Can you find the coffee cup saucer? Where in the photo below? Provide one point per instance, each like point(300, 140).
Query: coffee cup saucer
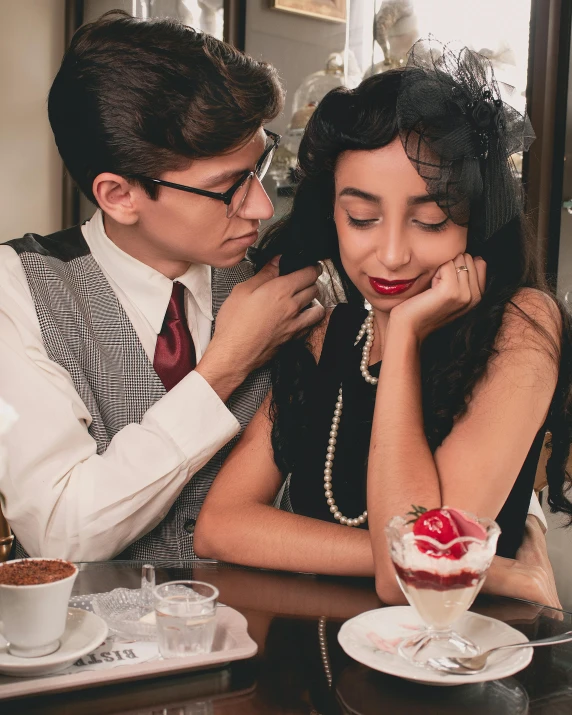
point(84, 632)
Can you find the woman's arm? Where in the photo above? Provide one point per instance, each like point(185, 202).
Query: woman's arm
point(238, 523)
point(477, 464)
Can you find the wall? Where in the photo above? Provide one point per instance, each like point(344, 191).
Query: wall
point(294, 44)
point(31, 48)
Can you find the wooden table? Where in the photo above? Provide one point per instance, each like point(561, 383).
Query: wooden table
point(295, 618)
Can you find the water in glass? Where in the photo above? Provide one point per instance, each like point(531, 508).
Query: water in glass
point(185, 620)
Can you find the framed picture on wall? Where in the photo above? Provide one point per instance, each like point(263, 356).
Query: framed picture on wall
point(322, 9)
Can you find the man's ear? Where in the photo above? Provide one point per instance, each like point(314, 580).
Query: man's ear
point(117, 197)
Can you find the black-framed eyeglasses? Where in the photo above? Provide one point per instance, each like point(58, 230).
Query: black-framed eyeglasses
point(236, 195)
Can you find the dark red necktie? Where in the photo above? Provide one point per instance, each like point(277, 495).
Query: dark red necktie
point(175, 354)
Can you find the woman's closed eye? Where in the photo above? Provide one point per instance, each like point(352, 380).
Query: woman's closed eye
point(360, 222)
point(423, 225)
point(431, 226)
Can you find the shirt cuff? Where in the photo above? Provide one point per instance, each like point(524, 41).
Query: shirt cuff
point(194, 417)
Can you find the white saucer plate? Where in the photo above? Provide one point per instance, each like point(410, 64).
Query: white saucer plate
point(84, 633)
point(372, 639)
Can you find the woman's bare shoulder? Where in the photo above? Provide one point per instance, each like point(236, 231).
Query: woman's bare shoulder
point(530, 314)
point(530, 337)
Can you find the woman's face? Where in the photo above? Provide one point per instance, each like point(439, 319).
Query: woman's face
point(392, 236)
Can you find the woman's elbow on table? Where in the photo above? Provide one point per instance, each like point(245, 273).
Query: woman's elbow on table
point(206, 540)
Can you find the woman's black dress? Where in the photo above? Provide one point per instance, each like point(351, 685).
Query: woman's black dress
point(339, 363)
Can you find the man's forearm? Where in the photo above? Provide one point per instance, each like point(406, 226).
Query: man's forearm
point(63, 499)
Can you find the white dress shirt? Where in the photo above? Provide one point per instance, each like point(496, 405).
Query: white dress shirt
point(60, 497)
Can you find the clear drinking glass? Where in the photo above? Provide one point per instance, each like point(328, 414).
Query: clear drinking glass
point(438, 587)
point(185, 612)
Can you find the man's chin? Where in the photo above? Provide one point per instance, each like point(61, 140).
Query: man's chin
point(229, 262)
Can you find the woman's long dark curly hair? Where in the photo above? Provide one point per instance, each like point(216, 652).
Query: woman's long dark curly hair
point(455, 357)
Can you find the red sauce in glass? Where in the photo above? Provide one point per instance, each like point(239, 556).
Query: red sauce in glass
point(436, 581)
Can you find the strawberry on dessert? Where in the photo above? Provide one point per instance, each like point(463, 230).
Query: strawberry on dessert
point(466, 525)
point(444, 525)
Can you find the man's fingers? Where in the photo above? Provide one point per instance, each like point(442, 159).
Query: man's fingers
point(303, 297)
point(292, 283)
point(301, 279)
point(309, 317)
point(265, 274)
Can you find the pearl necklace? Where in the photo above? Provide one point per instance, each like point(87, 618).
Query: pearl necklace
point(367, 327)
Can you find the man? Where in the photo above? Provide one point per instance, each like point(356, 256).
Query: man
point(131, 379)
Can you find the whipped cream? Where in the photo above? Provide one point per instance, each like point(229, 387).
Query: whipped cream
point(478, 557)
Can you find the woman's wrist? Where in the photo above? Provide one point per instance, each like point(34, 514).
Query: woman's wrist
point(402, 333)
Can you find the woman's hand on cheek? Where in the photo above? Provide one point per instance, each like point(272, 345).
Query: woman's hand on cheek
point(456, 287)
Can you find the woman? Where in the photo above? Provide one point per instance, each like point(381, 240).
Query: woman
point(406, 187)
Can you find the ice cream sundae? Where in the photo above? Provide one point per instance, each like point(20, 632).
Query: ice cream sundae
point(441, 558)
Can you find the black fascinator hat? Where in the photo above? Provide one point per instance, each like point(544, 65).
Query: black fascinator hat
point(459, 134)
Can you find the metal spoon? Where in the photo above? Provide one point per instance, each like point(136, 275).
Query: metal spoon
point(469, 665)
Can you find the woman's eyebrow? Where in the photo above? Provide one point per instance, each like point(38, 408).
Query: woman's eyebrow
point(422, 199)
point(359, 194)
point(378, 201)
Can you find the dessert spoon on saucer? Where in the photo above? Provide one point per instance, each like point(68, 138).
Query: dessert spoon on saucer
point(470, 665)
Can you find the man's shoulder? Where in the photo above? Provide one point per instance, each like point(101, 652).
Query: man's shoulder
point(65, 245)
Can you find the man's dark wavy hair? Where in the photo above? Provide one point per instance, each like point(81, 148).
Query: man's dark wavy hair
point(148, 96)
point(455, 357)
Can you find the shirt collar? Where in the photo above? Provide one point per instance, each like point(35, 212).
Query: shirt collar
point(149, 290)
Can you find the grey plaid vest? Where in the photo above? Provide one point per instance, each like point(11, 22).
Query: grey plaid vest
point(86, 331)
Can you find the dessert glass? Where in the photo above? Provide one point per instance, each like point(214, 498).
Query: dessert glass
point(439, 587)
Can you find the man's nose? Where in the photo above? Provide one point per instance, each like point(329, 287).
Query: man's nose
point(257, 204)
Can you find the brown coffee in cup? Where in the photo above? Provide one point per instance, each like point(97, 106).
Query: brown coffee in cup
point(35, 571)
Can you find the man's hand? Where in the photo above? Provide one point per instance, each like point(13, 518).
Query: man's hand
point(258, 316)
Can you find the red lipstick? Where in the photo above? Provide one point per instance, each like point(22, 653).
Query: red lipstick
point(383, 287)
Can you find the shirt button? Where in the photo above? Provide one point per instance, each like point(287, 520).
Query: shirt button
point(190, 525)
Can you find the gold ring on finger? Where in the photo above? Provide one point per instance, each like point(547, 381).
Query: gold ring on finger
point(462, 268)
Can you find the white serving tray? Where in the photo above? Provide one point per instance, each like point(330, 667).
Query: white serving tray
point(138, 660)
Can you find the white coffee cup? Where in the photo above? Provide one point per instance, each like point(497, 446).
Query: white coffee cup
point(34, 616)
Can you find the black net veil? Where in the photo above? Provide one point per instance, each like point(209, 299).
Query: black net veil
point(459, 134)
